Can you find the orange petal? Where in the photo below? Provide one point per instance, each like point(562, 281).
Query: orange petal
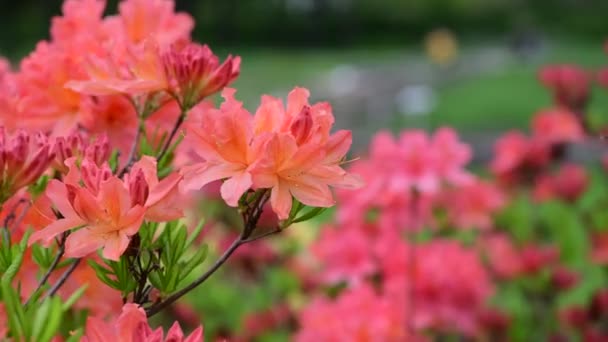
point(82, 242)
point(280, 200)
point(115, 245)
point(235, 187)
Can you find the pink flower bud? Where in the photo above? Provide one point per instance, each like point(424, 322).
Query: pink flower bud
point(194, 72)
point(139, 189)
point(23, 159)
point(599, 304)
point(98, 151)
point(92, 175)
point(301, 126)
point(564, 279)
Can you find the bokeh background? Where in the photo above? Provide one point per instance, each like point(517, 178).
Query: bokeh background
point(387, 64)
point(383, 64)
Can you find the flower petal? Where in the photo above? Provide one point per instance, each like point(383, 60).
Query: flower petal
point(235, 187)
point(47, 234)
point(83, 242)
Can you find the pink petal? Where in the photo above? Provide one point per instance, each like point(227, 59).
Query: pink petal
point(57, 227)
point(115, 245)
point(199, 175)
point(196, 335)
point(163, 188)
point(280, 200)
point(312, 192)
point(131, 222)
point(235, 187)
point(58, 194)
point(337, 146)
point(296, 99)
point(82, 242)
point(99, 331)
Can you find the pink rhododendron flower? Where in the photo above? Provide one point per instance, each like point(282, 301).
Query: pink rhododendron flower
point(569, 83)
point(108, 210)
point(536, 257)
point(345, 254)
point(403, 178)
point(224, 140)
point(45, 104)
point(444, 301)
point(161, 198)
point(268, 155)
point(8, 95)
point(358, 314)
point(556, 126)
point(568, 184)
point(517, 157)
point(132, 326)
point(452, 156)
point(472, 206)
point(112, 116)
point(194, 72)
point(502, 255)
point(189, 72)
point(599, 251)
point(78, 145)
point(103, 211)
point(140, 19)
point(23, 159)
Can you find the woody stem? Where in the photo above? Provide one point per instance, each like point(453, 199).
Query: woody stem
point(250, 218)
point(133, 151)
point(167, 144)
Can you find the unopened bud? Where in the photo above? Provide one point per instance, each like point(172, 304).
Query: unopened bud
point(138, 187)
point(301, 126)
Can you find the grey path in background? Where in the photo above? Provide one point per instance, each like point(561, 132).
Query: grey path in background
point(366, 98)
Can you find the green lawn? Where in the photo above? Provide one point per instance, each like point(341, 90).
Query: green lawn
point(496, 100)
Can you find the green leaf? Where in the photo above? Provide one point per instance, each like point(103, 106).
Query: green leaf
point(309, 215)
point(42, 256)
point(73, 298)
point(195, 233)
point(197, 259)
point(50, 321)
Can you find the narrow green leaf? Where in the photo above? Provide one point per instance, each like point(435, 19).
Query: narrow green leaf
point(309, 215)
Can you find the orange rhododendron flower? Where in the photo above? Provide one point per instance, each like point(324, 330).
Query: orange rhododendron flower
point(106, 219)
point(132, 326)
point(188, 72)
point(288, 150)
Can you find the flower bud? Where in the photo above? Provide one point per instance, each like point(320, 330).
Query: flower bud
point(564, 279)
point(194, 72)
point(301, 126)
point(139, 189)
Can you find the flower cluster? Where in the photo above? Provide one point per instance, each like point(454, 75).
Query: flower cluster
point(288, 149)
point(92, 160)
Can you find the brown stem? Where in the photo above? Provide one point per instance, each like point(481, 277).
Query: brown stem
point(167, 145)
point(250, 218)
point(177, 295)
point(62, 279)
point(54, 264)
point(133, 151)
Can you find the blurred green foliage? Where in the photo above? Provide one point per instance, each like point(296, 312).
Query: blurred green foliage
point(334, 22)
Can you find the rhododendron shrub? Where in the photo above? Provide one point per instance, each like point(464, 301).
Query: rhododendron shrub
point(107, 136)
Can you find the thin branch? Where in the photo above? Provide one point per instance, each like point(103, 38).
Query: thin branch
point(154, 309)
point(63, 279)
point(167, 145)
point(54, 264)
point(263, 235)
point(133, 151)
point(250, 217)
